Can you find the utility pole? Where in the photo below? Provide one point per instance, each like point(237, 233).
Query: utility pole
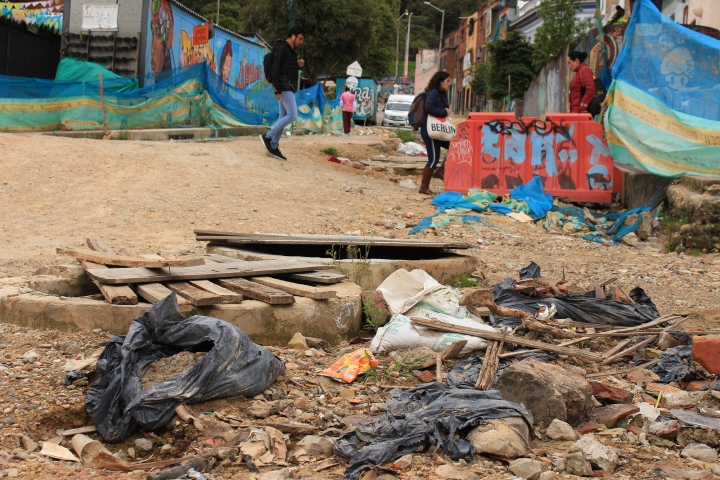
point(407, 47)
point(397, 46)
point(442, 27)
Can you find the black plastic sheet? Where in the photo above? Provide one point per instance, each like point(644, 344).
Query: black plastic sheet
point(675, 365)
point(581, 308)
point(232, 366)
point(424, 416)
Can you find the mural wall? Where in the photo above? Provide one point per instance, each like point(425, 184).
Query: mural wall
point(366, 98)
point(236, 60)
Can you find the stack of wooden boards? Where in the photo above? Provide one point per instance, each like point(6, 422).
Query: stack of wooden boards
point(200, 280)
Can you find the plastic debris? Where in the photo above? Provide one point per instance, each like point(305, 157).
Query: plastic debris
point(348, 367)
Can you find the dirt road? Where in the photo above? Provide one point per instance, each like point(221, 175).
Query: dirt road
point(148, 197)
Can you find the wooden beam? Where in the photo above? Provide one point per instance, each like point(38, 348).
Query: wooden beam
point(228, 296)
point(203, 272)
point(318, 277)
point(115, 294)
point(196, 296)
point(616, 348)
point(630, 350)
point(624, 370)
point(296, 288)
point(98, 245)
point(125, 260)
point(219, 258)
point(154, 292)
point(311, 239)
point(497, 336)
point(254, 290)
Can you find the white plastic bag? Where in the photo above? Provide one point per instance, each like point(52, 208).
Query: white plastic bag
point(417, 294)
point(400, 334)
point(441, 128)
point(411, 148)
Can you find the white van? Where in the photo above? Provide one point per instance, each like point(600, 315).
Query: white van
point(397, 109)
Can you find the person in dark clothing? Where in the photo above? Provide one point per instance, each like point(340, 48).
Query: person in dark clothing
point(284, 76)
point(437, 105)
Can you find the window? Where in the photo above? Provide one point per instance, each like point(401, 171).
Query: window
point(471, 26)
point(685, 15)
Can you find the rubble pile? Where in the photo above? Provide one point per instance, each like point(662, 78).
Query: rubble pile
point(526, 387)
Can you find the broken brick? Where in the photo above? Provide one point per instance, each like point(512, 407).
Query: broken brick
point(607, 394)
point(588, 427)
point(705, 352)
point(612, 414)
point(426, 377)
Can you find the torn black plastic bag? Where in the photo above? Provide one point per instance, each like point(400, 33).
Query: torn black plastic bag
point(581, 308)
point(675, 365)
point(233, 366)
point(424, 416)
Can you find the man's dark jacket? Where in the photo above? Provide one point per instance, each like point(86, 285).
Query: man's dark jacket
point(285, 67)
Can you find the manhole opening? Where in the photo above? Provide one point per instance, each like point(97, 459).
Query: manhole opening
point(348, 252)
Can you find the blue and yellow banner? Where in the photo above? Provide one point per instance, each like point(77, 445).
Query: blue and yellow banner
point(664, 113)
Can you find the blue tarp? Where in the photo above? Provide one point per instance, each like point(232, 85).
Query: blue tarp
point(664, 117)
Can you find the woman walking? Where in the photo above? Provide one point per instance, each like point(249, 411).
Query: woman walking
point(347, 100)
point(437, 105)
point(582, 86)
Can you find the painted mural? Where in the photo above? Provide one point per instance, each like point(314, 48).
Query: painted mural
point(366, 98)
point(236, 60)
point(499, 154)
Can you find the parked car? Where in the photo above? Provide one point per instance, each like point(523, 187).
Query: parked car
point(397, 109)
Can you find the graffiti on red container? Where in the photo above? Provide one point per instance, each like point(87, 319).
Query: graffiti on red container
point(550, 148)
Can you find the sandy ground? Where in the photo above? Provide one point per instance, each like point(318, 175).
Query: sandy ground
point(148, 197)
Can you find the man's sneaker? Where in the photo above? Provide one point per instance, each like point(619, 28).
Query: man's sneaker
point(266, 143)
point(275, 152)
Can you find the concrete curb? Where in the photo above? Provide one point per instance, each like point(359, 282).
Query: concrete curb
point(164, 134)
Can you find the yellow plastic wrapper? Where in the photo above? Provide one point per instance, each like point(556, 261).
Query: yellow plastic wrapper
point(347, 368)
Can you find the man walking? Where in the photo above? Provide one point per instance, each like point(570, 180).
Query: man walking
point(284, 75)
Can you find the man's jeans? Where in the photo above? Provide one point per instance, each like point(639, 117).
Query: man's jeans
point(288, 114)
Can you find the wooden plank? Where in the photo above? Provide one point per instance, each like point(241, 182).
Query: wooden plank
point(196, 296)
point(630, 350)
point(126, 260)
point(203, 272)
point(115, 294)
point(254, 290)
point(228, 296)
point(99, 245)
point(624, 370)
point(616, 348)
point(314, 239)
point(296, 288)
point(219, 258)
point(497, 336)
point(318, 277)
point(154, 292)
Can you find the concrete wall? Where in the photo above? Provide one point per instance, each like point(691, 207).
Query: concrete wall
point(426, 64)
point(129, 15)
point(548, 92)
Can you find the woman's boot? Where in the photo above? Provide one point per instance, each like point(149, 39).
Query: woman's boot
point(440, 172)
point(425, 184)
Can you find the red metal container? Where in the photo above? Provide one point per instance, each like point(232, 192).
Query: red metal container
point(494, 152)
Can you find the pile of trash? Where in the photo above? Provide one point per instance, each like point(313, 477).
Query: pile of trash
point(529, 203)
point(454, 378)
point(412, 148)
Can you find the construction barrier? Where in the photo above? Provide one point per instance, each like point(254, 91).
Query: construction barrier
point(495, 152)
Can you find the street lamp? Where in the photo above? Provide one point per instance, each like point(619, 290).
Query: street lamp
point(442, 26)
point(397, 46)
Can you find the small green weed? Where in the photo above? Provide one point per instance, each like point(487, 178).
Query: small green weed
point(402, 368)
point(404, 135)
point(695, 252)
point(374, 316)
point(331, 151)
point(463, 281)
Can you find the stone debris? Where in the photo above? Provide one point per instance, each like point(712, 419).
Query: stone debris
point(559, 430)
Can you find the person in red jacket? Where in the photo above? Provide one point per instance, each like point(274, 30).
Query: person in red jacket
point(582, 86)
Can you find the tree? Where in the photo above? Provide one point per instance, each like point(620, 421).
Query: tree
point(560, 28)
point(480, 74)
point(511, 57)
point(336, 33)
